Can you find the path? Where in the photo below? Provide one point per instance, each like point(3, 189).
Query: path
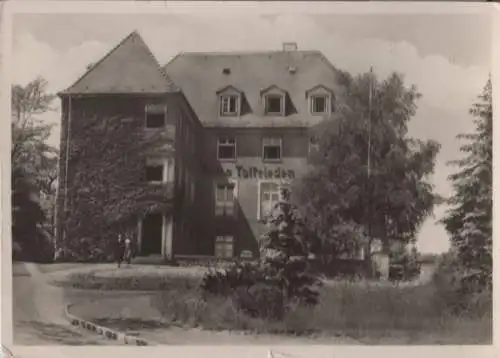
point(38, 312)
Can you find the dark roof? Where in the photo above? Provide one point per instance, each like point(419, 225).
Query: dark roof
point(200, 76)
point(130, 67)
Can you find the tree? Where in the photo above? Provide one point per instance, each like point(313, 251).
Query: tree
point(285, 254)
point(469, 221)
point(34, 165)
point(281, 279)
point(347, 197)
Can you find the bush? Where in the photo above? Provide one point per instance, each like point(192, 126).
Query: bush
point(456, 293)
point(261, 300)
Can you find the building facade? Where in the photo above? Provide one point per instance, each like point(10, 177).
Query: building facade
point(238, 127)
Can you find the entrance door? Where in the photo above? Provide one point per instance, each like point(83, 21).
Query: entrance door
point(151, 234)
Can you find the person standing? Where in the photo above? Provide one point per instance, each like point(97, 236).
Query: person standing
point(120, 249)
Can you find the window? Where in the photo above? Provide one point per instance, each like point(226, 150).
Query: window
point(226, 149)
point(271, 148)
point(229, 105)
point(274, 104)
point(225, 194)
point(157, 170)
point(270, 195)
point(319, 104)
point(224, 247)
point(313, 144)
point(155, 116)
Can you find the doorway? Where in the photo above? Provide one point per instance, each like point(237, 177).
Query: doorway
point(151, 238)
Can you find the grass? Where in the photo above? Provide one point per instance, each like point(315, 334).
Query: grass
point(55, 267)
point(370, 313)
point(145, 282)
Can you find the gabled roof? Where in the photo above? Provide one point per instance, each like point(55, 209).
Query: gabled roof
point(227, 88)
point(200, 74)
point(272, 87)
point(318, 87)
point(130, 67)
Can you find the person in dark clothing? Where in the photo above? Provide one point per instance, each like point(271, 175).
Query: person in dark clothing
point(120, 249)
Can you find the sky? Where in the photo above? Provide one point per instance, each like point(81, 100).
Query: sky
point(448, 58)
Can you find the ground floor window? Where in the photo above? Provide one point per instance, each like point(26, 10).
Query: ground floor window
point(225, 194)
point(224, 247)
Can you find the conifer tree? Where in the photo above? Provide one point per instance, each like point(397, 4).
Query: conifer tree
point(285, 253)
point(469, 221)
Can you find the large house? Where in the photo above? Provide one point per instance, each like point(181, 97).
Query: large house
point(239, 128)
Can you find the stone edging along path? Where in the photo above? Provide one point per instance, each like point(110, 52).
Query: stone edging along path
point(104, 331)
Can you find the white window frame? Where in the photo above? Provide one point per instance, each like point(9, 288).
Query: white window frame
point(225, 105)
point(165, 164)
point(281, 185)
point(224, 241)
point(313, 144)
point(223, 141)
point(271, 139)
point(224, 204)
point(312, 99)
point(155, 109)
point(282, 102)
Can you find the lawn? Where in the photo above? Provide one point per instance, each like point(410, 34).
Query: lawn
point(369, 313)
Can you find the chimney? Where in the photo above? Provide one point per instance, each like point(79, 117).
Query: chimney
point(289, 46)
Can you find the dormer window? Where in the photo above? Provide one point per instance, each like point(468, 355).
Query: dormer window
point(320, 100)
point(229, 105)
point(319, 104)
point(229, 101)
point(273, 99)
point(274, 104)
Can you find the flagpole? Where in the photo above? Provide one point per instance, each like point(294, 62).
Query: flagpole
point(370, 122)
point(369, 164)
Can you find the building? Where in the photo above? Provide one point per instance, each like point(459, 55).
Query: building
point(238, 129)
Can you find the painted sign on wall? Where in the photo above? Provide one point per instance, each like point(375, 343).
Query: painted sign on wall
point(252, 172)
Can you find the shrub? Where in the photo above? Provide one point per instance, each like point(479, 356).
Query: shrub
point(456, 293)
point(261, 300)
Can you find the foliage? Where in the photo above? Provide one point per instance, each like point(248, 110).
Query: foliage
point(456, 296)
point(107, 189)
point(286, 251)
point(469, 221)
point(339, 195)
point(34, 171)
point(281, 279)
point(373, 313)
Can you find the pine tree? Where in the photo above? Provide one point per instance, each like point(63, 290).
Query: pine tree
point(469, 221)
point(285, 253)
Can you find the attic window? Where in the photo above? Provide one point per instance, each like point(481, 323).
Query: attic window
point(275, 104)
point(226, 71)
point(319, 104)
point(229, 105)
